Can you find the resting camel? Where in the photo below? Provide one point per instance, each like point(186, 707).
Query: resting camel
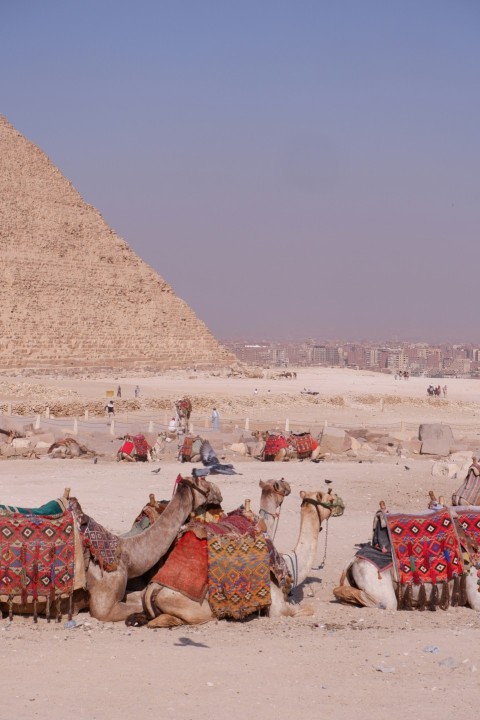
point(287, 447)
point(168, 608)
point(373, 588)
point(137, 553)
point(68, 448)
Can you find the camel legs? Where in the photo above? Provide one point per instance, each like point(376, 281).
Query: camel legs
point(172, 608)
point(281, 608)
point(378, 586)
point(106, 598)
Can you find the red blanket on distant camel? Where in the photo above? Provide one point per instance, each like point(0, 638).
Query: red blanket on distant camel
point(274, 443)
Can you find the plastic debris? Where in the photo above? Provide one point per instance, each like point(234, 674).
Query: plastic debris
point(431, 649)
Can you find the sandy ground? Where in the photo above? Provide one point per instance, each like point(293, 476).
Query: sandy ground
point(342, 662)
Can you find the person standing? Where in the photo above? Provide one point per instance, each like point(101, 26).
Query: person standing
point(119, 392)
point(215, 420)
point(110, 409)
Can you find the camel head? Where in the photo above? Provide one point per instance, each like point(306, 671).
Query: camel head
point(206, 492)
point(325, 504)
point(279, 488)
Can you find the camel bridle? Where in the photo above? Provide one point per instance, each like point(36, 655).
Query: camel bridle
point(276, 515)
point(192, 487)
point(335, 504)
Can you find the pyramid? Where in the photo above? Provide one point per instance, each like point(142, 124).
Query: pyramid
point(72, 292)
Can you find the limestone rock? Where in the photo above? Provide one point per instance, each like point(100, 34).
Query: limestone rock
point(334, 440)
point(436, 439)
point(73, 294)
point(444, 469)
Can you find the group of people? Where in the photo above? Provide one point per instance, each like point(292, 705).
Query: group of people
point(437, 391)
point(402, 374)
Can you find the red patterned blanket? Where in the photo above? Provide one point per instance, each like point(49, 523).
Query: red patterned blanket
point(273, 445)
point(425, 547)
point(136, 444)
point(303, 444)
point(37, 558)
point(186, 568)
point(469, 521)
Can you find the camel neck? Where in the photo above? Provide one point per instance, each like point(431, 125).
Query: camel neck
point(269, 508)
point(146, 548)
point(306, 548)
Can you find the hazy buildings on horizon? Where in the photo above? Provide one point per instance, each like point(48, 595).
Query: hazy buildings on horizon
point(445, 360)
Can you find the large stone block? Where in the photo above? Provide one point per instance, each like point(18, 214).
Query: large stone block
point(436, 439)
point(334, 440)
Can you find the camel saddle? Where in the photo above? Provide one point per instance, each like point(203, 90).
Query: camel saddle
point(303, 444)
point(136, 445)
point(191, 446)
point(230, 560)
point(273, 445)
point(41, 557)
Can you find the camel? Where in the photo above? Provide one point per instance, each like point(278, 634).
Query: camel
point(273, 494)
point(68, 448)
point(168, 608)
point(369, 587)
point(286, 447)
point(134, 448)
point(137, 553)
point(183, 408)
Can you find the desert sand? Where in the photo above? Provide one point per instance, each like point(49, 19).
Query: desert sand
point(342, 661)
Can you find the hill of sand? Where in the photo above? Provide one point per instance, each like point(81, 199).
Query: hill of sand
point(73, 294)
point(341, 662)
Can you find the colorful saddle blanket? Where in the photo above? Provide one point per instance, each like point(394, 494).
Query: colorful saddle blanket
point(469, 521)
point(98, 543)
point(136, 445)
point(425, 547)
point(303, 444)
point(38, 558)
point(273, 445)
point(231, 560)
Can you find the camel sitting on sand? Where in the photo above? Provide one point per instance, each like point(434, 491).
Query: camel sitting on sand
point(68, 448)
point(168, 608)
point(370, 586)
point(136, 552)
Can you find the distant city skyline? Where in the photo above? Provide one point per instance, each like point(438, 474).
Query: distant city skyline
point(292, 169)
point(443, 360)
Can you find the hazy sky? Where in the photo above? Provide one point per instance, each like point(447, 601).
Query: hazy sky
point(293, 169)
